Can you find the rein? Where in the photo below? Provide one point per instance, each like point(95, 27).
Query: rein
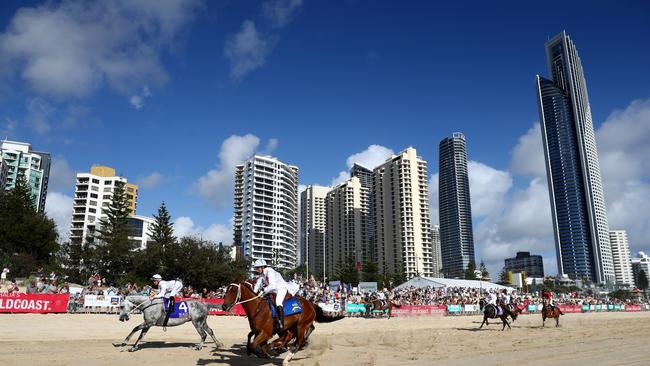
point(151, 303)
point(238, 298)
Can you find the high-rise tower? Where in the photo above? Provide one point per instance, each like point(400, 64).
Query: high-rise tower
point(574, 183)
point(456, 235)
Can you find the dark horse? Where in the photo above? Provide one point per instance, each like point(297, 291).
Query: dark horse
point(376, 304)
point(549, 311)
point(263, 326)
point(490, 312)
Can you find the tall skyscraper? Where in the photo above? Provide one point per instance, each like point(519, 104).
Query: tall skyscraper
point(641, 263)
point(266, 210)
point(24, 163)
point(435, 242)
point(574, 183)
point(365, 176)
point(621, 257)
point(402, 222)
point(456, 235)
point(312, 228)
point(3, 173)
point(93, 195)
point(346, 237)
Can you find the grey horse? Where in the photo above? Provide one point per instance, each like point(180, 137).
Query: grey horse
point(153, 312)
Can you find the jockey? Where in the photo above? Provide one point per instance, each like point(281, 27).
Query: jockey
point(167, 290)
point(274, 284)
point(548, 297)
point(505, 299)
point(491, 299)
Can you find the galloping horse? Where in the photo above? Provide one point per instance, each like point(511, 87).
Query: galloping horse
point(153, 312)
point(376, 304)
point(490, 312)
point(262, 323)
point(551, 312)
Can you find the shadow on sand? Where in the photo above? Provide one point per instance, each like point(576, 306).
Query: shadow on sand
point(240, 358)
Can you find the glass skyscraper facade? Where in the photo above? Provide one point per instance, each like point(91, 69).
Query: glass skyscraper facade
point(575, 188)
point(456, 235)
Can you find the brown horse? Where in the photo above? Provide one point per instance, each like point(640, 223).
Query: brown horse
point(376, 304)
point(262, 324)
point(551, 312)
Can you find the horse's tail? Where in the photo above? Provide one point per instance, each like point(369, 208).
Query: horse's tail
point(322, 318)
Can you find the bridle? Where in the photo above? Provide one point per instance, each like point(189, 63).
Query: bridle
point(238, 297)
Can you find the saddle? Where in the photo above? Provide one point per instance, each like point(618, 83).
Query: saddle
point(290, 305)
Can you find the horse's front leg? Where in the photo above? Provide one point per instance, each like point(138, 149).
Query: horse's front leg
point(126, 340)
point(249, 347)
point(484, 319)
point(142, 334)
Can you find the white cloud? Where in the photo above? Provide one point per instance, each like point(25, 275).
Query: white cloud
point(487, 187)
point(61, 175)
point(217, 233)
point(151, 180)
point(280, 12)
point(72, 48)
point(624, 148)
point(247, 50)
point(528, 154)
point(369, 158)
point(137, 100)
point(218, 184)
point(58, 207)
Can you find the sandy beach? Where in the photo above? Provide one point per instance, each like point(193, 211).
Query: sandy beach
point(83, 340)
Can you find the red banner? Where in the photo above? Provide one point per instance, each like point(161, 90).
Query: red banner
point(570, 308)
point(33, 303)
point(419, 310)
point(632, 307)
point(236, 310)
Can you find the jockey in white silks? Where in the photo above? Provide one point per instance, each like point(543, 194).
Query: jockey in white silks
point(505, 299)
point(274, 283)
point(166, 290)
point(491, 299)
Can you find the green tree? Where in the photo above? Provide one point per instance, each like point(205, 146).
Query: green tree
point(346, 271)
point(470, 273)
point(504, 277)
point(162, 230)
point(485, 275)
point(370, 272)
point(202, 263)
point(28, 239)
point(399, 277)
point(642, 280)
point(115, 251)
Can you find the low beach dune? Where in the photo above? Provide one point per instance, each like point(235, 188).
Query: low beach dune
point(582, 339)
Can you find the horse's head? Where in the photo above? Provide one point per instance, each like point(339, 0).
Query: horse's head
point(232, 296)
point(125, 309)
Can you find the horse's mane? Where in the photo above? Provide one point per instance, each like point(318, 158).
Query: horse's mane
point(137, 299)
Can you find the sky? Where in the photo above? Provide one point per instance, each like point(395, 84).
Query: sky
point(175, 95)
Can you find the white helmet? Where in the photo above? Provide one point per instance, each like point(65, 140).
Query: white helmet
point(259, 263)
point(156, 277)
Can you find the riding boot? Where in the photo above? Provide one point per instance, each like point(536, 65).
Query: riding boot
point(170, 310)
point(280, 312)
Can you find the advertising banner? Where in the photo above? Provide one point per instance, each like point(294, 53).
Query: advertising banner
point(33, 303)
point(454, 308)
point(532, 308)
point(236, 310)
point(412, 310)
point(633, 308)
point(102, 301)
point(353, 308)
point(472, 308)
point(570, 308)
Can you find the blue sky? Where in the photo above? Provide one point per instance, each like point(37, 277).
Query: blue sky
point(173, 97)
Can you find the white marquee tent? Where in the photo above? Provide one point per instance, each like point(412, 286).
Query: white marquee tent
point(421, 282)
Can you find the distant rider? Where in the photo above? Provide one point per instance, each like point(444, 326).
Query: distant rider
point(505, 300)
point(274, 283)
point(491, 299)
point(167, 290)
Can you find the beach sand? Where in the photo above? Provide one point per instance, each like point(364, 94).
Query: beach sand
point(582, 339)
